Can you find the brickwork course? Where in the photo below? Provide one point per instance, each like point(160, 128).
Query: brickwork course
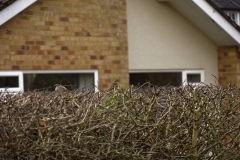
point(229, 65)
point(69, 35)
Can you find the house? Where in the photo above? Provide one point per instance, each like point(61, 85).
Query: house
point(91, 43)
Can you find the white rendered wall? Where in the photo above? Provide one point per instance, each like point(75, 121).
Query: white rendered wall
point(162, 39)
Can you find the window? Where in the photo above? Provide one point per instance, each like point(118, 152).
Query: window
point(162, 78)
point(234, 16)
point(156, 78)
point(11, 81)
point(31, 80)
point(193, 77)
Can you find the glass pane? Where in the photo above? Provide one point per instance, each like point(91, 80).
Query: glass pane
point(164, 78)
point(9, 81)
point(71, 81)
point(193, 78)
point(232, 16)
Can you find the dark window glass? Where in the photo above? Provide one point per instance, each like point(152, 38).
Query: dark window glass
point(164, 78)
point(9, 81)
point(232, 16)
point(193, 78)
point(71, 81)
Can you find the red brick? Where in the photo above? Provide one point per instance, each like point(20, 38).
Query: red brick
point(36, 67)
point(222, 70)
point(71, 52)
point(94, 67)
point(20, 52)
point(44, 8)
point(40, 42)
point(9, 31)
point(9, 52)
point(44, 28)
point(28, 12)
point(48, 67)
point(19, 62)
point(51, 62)
point(64, 48)
point(93, 57)
point(51, 52)
point(57, 57)
point(83, 48)
point(116, 62)
point(106, 34)
point(40, 52)
point(60, 42)
point(49, 23)
point(108, 71)
point(29, 42)
point(64, 19)
point(25, 47)
point(15, 67)
point(114, 25)
point(35, 47)
point(24, 17)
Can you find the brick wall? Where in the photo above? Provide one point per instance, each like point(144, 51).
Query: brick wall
point(69, 35)
point(229, 65)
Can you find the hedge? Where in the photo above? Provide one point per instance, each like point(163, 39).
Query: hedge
point(148, 122)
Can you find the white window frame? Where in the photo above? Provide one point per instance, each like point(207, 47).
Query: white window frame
point(21, 79)
point(184, 74)
point(236, 14)
point(20, 87)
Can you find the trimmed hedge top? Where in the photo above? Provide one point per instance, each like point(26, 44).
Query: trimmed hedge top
point(149, 122)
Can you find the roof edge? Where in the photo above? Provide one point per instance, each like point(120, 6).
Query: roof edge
point(224, 15)
point(15, 8)
point(218, 18)
point(6, 3)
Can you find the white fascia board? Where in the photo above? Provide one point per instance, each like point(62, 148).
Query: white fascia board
point(13, 9)
point(219, 19)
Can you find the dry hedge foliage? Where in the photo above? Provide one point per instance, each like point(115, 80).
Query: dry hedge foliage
point(149, 122)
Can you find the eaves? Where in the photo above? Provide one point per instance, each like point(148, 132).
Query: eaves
point(9, 11)
point(224, 15)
